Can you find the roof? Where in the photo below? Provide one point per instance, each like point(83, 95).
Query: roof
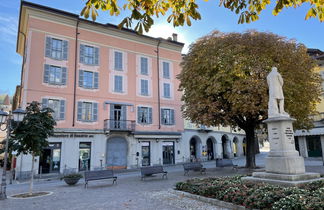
point(6, 101)
point(312, 132)
point(76, 16)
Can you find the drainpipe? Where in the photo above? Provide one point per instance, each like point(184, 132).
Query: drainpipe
point(158, 76)
point(75, 69)
point(22, 68)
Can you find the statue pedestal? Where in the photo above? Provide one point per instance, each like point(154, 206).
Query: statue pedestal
point(283, 165)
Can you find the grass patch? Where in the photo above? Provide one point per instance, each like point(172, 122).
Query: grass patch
point(257, 195)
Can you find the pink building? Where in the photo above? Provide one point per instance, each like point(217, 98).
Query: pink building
point(114, 92)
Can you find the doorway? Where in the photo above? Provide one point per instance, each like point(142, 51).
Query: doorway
point(210, 149)
point(168, 152)
point(118, 117)
point(50, 159)
point(146, 160)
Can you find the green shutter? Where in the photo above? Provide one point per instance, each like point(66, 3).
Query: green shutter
point(79, 114)
point(96, 80)
point(95, 112)
point(65, 49)
point(62, 109)
point(64, 75)
point(82, 53)
point(150, 115)
point(80, 78)
point(96, 56)
point(46, 73)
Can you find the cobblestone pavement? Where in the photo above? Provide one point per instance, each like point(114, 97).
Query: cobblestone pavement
point(129, 193)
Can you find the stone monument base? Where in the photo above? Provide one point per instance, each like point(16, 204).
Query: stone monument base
point(283, 179)
point(285, 164)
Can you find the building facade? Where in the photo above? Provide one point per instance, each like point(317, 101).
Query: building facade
point(311, 143)
point(113, 92)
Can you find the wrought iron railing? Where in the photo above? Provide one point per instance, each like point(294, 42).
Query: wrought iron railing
point(119, 125)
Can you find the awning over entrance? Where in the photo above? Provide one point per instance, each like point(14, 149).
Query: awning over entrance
point(311, 132)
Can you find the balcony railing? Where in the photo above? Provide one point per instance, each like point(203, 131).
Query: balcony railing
point(119, 125)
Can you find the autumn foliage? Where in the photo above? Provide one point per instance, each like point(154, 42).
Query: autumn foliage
point(224, 81)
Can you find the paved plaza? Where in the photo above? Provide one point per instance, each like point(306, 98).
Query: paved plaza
point(129, 193)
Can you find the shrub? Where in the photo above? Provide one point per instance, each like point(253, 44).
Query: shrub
point(291, 202)
point(264, 197)
point(313, 185)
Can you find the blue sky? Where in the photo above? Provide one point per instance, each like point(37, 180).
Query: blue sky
point(289, 23)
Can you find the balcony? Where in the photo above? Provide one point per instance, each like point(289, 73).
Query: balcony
point(119, 125)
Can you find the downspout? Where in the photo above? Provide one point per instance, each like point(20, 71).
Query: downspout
point(158, 76)
point(22, 69)
point(75, 69)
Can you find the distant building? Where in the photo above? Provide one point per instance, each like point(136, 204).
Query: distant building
point(5, 105)
point(311, 143)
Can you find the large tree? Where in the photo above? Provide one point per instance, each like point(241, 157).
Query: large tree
point(30, 136)
point(223, 80)
point(181, 12)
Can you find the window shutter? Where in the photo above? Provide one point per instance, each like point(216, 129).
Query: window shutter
point(80, 78)
point(142, 87)
point(149, 115)
point(95, 112)
point(48, 47)
point(64, 75)
point(112, 111)
point(144, 66)
point(96, 56)
point(166, 90)
point(44, 103)
point(62, 109)
point(65, 49)
point(79, 111)
point(96, 80)
point(111, 117)
point(118, 84)
point(162, 113)
point(139, 114)
point(46, 73)
point(172, 122)
point(124, 113)
point(82, 49)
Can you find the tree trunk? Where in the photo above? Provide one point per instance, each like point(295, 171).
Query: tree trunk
point(250, 147)
point(32, 176)
point(257, 145)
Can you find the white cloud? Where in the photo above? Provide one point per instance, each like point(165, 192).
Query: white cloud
point(8, 29)
point(165, 30)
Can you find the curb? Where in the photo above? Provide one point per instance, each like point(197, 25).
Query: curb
point(213, 201)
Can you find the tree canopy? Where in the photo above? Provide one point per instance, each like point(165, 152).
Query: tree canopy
point(223, 80)
point(31, 134)
point(183, 11)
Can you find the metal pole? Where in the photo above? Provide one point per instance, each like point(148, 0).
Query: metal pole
point(3, 194)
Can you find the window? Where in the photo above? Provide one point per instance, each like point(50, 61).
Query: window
point(56, 48)
point(118, 84)
point(89, 55)
point(118, 61)
point(144, 87)
point(144, 66)
point(144, 115)
point(167, 116)
point(166, 70)
point(58, 107)
point(88, 79)
point(166, 90)
point(87, 111)
point(54, 75)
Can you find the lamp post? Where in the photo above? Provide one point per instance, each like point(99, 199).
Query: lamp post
point(6, 120)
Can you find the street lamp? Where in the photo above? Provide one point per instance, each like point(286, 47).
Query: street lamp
point(6, 120)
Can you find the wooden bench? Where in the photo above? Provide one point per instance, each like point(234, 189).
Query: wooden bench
point(97, 175)
point(225, 163)
point(150, 170)
point(194, 166)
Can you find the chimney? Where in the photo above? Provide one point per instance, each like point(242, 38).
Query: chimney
point(175, 37)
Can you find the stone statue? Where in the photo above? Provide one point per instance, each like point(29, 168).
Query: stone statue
point(276, 96)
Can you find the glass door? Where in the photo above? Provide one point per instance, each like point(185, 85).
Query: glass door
point(146, 154)
point(50, 160)
point(84, 156)
point(168, 153)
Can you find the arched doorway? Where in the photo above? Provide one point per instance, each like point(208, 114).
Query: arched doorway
point(210, 149)
point(235, 146)
point(195, 147)
point(116, 152)
point(226, 147)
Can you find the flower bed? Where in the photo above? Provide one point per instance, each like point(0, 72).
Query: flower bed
point(257, 196)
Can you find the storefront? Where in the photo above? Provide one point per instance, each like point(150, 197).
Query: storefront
point(50, 160)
